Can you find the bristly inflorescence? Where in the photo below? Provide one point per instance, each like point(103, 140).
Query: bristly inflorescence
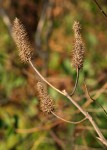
point(46, 101)
point(79, 48)
point(21, 39)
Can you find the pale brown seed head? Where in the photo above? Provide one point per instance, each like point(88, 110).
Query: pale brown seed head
point(21, 39)
point(76, 28)
point(46, 102)
point(79, 48)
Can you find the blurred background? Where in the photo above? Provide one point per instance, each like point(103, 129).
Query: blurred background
point(49, 25)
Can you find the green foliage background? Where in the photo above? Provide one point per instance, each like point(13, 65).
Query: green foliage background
point(19, 106)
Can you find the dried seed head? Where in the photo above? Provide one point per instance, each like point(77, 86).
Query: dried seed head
point(46, 102)
point(21, 39)
point(79, 48)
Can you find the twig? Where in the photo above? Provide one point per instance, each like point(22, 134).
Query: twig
point(100, 8)
point(40, 128)
point(6, 20)
point(41, 24)
point(76, 83)
point(94, 99)
point(102, 141)
point(42, 53)
point(57, 140)
point(86, 114)
point(37, 72)
point(96, 94)
point(46, 17)
point(72, 122)
point(83, 127)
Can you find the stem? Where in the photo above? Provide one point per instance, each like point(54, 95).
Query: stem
point(94, 99)
point(44, 78)
point(86, 114)
point(6, 20)
point(77, 122)
point(76, 83)
point(100, 8)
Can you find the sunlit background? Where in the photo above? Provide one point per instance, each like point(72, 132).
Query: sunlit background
point(49, 25)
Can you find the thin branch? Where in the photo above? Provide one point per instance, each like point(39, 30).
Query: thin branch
point(72, 122)
point(40, 128)
point(86, 114)
point(57, 140)
point(102, 141)
point(41, 24)
point(43, 53)
point(76, 83)
point(102, 11)
point(37, 72)
point(94, 99)
point(6, 20)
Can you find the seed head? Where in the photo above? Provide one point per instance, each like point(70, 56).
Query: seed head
point(79, 48)
point(46, 102)
point(21, 39)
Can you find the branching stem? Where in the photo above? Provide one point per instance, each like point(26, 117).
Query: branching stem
point(94, 99)
point(86, 114)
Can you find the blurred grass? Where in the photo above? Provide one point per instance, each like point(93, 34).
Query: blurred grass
point(18, 102)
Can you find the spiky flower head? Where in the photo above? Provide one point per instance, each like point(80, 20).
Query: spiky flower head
point(79, 48)
point(46, 101)
point(22, 41)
